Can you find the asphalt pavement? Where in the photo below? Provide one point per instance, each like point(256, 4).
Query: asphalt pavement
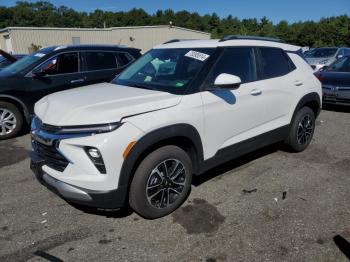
point(267, 206)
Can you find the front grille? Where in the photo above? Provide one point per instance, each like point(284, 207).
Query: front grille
point(50, 129)
point(50, 156)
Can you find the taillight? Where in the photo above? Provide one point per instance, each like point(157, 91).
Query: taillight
point(319, 76)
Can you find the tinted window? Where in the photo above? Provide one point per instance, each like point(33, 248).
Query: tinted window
point(235, 61)
point(341, 65)
point(100, 61)
point(273, 62)
point(347, 51)
point(124, 58)
point(61, 64)
point(322, 52)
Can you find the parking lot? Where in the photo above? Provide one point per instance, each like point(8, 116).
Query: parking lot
point(268, 206)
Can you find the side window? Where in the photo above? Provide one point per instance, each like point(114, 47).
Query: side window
point(347, 51)
point(124, 58)
point(236, 61)
point(61, 64)
point(274, 63)
point(100, 61)
point(339, 54)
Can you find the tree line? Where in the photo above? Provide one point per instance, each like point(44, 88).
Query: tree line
point(331, 31)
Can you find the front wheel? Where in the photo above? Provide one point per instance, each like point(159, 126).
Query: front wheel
point(11, 120)
point(302, 130)
point(161, 183)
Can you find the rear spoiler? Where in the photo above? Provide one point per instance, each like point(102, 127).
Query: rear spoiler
point(8, 56)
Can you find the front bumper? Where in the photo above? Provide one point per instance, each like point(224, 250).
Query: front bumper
point(100, 199)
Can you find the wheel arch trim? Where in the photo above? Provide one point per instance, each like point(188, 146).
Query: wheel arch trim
point(155, 137)
point(20, 102)
point(308, 98)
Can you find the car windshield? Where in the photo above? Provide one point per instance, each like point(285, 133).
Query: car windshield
point(25, 62)
point(341, 65)
point(4, 63)
point(168, 70)
point(321, 52)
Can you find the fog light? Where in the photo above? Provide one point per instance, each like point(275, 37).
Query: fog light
point(96, 158)
point(94, 153)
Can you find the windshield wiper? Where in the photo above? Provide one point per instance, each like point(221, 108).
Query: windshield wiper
point(141, 86)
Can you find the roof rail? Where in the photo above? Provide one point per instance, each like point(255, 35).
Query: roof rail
point(177, 40)
point(249, 37)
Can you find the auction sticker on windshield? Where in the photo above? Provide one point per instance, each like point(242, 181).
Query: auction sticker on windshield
point(197, 55)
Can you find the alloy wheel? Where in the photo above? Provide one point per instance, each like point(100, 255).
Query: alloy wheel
point(305, 129)
point(8, 121)
point(166, 183)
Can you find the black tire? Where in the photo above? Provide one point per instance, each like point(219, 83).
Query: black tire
point(18, 120)
point(301, 133)
point(145, 175)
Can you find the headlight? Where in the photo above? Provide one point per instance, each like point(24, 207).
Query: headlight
point(93, 129)
point(66, 130)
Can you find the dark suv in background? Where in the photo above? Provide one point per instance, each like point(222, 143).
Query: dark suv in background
point(54, 69)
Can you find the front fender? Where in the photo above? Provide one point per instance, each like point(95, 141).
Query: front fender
point(140, 149)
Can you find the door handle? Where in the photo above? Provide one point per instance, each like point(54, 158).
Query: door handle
point(255, 92)
point(77, 81)
point(298, 83)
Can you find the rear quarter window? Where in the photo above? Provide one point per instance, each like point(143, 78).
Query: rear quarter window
point(274, 62)
point(124, 58)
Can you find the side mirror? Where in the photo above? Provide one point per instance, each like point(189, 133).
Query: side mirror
point(339, 56)
point(227, 81)
point(38, 72)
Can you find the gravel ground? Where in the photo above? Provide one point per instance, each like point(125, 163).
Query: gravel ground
point(267, 206)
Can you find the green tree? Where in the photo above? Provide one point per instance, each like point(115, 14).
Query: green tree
point(330, 31)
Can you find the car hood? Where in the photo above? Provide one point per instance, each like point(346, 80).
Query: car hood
point(100, 104)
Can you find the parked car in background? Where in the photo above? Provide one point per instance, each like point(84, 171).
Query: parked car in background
point(53, 69)
point(320, 57)
point(335, 80)
point(6, 59)
point(181, 109)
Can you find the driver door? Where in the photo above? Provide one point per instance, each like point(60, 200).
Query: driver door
point(235, 115)
point(58, 73)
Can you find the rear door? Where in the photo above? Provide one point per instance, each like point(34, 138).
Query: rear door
point(103, 66)
point(60, 72)
point(280, 82)
point(99, 66)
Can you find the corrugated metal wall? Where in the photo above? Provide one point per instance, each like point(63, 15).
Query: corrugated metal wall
point(139, 37)
point(3, 41)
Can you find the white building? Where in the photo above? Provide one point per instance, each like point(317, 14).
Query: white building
point(20, 40)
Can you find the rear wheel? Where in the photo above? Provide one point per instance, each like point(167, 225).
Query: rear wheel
point(161, 182)
point(11, 120)
point(302, 130)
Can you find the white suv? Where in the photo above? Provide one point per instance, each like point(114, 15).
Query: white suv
point(182, 108)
